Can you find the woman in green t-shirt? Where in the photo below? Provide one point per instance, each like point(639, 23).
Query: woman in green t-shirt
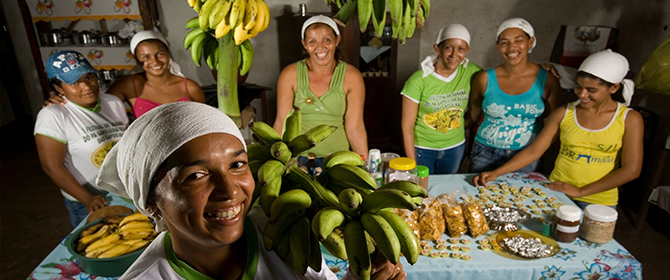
point(434, 103)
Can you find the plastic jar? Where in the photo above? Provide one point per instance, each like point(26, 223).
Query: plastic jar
point(566, 226)
point(599, 223)
point(401, 169)
point(423, 172)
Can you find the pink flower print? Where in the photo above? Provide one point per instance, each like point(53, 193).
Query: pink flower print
point(68, 268)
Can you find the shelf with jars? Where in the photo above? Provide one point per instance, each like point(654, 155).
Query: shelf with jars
point(89, 27)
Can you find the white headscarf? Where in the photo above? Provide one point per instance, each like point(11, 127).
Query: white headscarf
point(131, 164)
point(451, 31)
point(520, 23)
point(319, 19)
point(174, 68)
point(611, 67)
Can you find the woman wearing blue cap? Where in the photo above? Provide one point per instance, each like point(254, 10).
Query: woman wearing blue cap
point(73, 139)
point(326, 89)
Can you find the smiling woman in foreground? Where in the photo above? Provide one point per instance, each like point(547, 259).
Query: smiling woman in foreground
point(185, 164)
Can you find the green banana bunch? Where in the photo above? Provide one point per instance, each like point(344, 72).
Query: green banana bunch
point(281, 152)
point(326, 220)
point(272, 233)
point(388, 198)
point(311, 138)
point(410, 188)
point(302, 180)
point(334, 244)
point(409, 243)
point(379, 16)
point(364, 13)
point(288, 203)
point(384, 236)
point(343, 157)
point(247, 55)
point(350, 200)
point(292, 125)
point(353, 174)
point(264, 133)
point(357, 249)
point(300, 245)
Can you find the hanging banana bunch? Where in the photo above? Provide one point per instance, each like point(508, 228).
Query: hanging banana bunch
point(344, 199)
point(405, 15)
point(220, 36)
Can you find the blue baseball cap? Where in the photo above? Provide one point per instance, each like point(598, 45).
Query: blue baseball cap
point(68, 66)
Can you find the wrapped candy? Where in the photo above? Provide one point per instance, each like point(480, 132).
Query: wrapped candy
point(431, 220)
point(453, 214)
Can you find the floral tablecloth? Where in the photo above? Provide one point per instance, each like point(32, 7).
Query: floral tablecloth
point(577, 260)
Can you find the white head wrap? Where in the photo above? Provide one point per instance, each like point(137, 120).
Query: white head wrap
point(611, 67)
point(451, 31)
point(129, 167)
point(520, 23)
point(319, 19)
point(175, 69)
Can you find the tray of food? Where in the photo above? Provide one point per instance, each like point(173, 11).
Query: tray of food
point(505, 218)
point(526, 244)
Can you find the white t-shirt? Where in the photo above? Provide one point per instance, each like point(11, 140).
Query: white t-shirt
point(158, 260)
point(89, 134)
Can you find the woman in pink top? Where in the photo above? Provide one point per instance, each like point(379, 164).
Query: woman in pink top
point(160, 83)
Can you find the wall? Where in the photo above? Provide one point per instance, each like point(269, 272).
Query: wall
point(642, 25)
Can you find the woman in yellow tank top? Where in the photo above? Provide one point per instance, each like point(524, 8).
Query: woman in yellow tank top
point(601, 139)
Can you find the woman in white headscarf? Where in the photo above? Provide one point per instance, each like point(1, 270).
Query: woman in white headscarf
point(601, 139)
point(161, 82)
point(434, 103)
point(514, 97)
point(185, 164)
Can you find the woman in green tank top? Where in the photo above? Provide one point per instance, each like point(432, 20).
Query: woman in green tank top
point(326, 89)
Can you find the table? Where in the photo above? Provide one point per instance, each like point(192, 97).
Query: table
point(577, 260)
point(60, 264)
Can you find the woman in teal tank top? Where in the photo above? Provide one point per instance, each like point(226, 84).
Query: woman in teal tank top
point(326, 89)
point(514, 96)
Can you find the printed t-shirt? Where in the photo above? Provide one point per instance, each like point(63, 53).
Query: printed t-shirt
point(442, 103)
point(588, 155)
point(511, 121)
point(89, 134)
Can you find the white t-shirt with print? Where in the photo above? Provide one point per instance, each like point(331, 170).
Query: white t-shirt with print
point(89, 134)
point(154, 263)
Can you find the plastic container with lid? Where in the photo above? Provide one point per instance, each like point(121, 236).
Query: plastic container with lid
point(599, 223)
point(423, 172)
point(401, 169)
point(566, 226)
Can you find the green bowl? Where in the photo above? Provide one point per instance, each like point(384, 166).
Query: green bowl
point(108, 267)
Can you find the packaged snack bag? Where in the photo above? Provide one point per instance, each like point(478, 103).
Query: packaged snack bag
point(453, 214)
point(431, 220)
point(411, 218)
point(475, 218)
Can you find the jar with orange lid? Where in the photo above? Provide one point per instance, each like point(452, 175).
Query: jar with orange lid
point(401, 169)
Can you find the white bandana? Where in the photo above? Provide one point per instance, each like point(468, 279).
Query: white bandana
point(131, 164)
point(611, 67)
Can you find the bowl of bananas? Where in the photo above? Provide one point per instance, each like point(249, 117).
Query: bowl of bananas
point(108, 246)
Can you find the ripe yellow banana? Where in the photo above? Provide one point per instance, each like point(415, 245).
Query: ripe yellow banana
point(221, 29)
point(133, 217)
point(117, 250)
point(138, 233)
point(109, 239)
point(240, 34)
point(266, 14)
point(237, 13)
point(136, 224)
point(251, 15)
point(95, 253)
point(219, 13)
point(138, 244)
point(103, 231)
point(90, 230)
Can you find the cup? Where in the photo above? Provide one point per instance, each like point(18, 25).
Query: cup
point(374, 159)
